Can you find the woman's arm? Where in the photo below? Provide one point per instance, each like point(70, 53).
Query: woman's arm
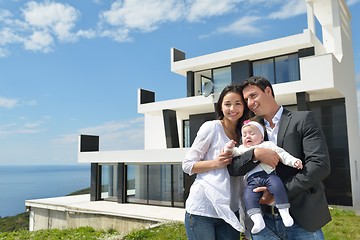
point(223, 159)
point(195, 161)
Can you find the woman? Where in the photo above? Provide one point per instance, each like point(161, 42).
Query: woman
point(213, 205)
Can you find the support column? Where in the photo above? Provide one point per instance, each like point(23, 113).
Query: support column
point(121, 182)
point(171, 129)
point(240, 71)
point(303, 101)
point(190, 78)
point(89, 143)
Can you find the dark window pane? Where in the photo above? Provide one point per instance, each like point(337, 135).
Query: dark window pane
point(178, 185)
point(287, 68)
point(137, 184)
point(221, 78)
point(264, 68)
point(108, 182)
point(160, 185)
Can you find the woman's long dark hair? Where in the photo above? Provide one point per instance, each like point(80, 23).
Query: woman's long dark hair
point(235, 88)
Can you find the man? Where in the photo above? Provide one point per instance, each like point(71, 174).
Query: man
point(299, 134)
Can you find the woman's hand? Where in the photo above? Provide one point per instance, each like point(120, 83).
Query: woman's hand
point(223, 160)
point(266, 156)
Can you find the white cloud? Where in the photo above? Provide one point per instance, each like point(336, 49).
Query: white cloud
point(42, 25)
point(351, 2)
point(39, 41)
point(119, 35)
point(115, 135)
point(5, 15)
point(209, 8)
point(22, 128)
point(145, 15)
point(54, 17)
point(4, 53)
point(290, 9)
point(241, 26)
point(86, 34)
point(8, 36)
point(148, 15)
point(45, 23)
point(12, 102)
point(8, 103)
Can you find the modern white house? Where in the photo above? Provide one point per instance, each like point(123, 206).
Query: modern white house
point(312, 70)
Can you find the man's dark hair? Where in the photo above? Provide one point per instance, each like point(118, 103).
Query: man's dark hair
point(260, 82)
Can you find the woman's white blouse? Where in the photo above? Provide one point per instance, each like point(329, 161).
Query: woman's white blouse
point(213, 191)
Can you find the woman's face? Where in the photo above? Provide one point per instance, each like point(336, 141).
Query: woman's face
point(232, 106)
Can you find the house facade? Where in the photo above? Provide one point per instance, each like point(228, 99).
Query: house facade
point(307, 72)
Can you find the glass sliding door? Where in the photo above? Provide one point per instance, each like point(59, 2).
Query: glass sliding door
point(137, 184)
point(109, 182)
point(178, 186)
point(160, 185)
point(155, 184)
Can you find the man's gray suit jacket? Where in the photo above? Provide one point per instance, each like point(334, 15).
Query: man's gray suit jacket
point(301, 136)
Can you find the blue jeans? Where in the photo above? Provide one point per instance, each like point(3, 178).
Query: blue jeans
point(272, 182)
point(208, 228)
point(275, 230)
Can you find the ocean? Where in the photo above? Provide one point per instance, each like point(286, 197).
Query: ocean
point(20, 183)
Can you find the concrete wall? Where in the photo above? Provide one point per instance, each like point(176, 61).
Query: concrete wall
point(41, 218)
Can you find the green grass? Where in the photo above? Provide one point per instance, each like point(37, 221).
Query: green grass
point(344, 226)
point(169, 231)
point(85, 233)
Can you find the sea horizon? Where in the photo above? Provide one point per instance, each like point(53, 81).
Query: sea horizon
point(25, 182)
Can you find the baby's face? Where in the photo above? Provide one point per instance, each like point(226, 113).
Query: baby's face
point(251, 136)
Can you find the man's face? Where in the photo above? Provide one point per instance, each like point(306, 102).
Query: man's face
point(258, 101)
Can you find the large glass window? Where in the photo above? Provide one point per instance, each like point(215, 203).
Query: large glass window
point(278, 69)
point(221, 78)
point(287, 68)
point(331, 116)
point(264, 68)
point(155, 184)
point(108, 182)
point(178, 185)
point(137, 187)
point(186, 127)
point(160, 185)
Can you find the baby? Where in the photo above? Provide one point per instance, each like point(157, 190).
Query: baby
point(263, 175)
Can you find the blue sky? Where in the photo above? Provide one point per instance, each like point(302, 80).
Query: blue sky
point(74, 67)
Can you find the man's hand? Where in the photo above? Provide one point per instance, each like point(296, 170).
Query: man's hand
point(267, 198)
point(266, 156)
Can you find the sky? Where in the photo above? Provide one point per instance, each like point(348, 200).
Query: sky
point(74, 67)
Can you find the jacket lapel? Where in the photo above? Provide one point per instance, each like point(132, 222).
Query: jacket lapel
point(284, 123)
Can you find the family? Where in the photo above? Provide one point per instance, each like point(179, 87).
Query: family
point(259, 170)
